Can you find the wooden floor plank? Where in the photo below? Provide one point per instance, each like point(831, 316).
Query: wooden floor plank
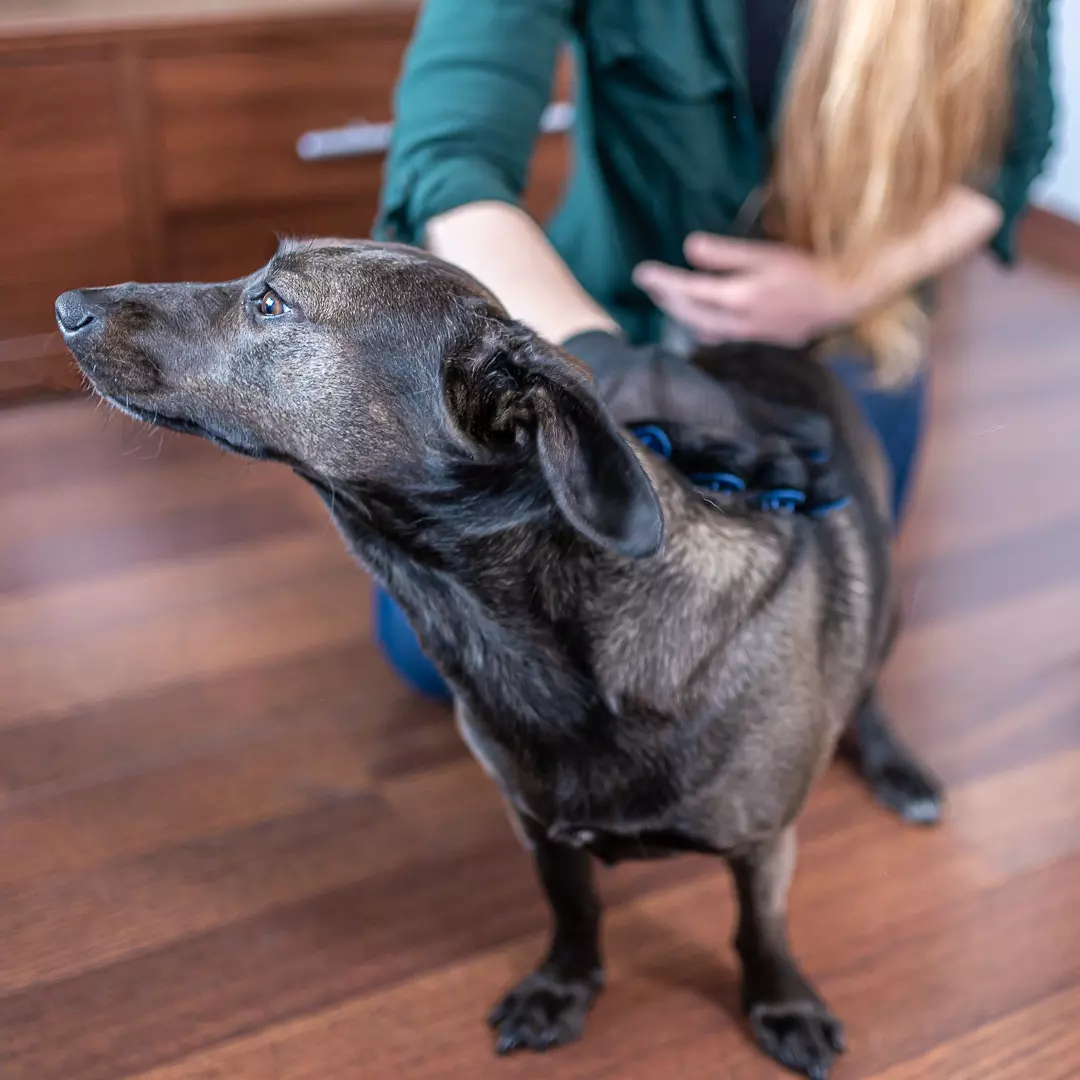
point(237, 519)
point(281, 772)
point(1041, 1041)
point(107, 742)
point(121, 598)
point(44, 511)
point(323, 611)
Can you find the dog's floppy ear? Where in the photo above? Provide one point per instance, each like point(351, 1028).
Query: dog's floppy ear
point(513, 388)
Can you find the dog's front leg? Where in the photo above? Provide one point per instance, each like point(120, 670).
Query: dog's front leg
point(548, 1007)
point(789, 1020)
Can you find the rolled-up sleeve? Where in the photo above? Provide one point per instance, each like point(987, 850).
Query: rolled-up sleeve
point(467, 108)
point(1032, 126)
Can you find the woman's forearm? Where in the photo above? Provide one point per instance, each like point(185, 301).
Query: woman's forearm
point(504, 249)
point(961, 225)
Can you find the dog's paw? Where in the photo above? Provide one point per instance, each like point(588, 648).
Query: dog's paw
point(543, 1011)
point(802, 1035)
point(903, 786)
point(895, 776)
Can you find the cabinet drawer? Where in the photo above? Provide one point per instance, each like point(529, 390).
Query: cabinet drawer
point(63, 197)
point(228, 120)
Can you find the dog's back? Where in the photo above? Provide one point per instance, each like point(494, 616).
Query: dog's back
point(857, 546)
point(756, 636)
point(727, 665)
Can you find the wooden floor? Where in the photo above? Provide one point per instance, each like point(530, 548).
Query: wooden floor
point(233, 847)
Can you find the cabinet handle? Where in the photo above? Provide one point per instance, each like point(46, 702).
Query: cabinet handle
point(365, 139)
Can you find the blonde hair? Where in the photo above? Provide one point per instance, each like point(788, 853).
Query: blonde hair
point(891, 104)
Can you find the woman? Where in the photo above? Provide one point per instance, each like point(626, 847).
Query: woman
point(743, 169)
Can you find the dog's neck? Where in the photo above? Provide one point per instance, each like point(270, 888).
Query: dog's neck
point(494, 585)
point(505, 595)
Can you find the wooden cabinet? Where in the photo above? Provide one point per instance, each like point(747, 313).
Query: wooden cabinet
point(166, 150)
point(62, 186)
point(63, 203)
point(229, 119)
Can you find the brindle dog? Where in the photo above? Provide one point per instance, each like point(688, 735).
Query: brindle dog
point(641, 670)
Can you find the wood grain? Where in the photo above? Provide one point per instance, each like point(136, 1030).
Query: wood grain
point(62, 211)
point(264, 93)
point(233, 845)
point(31, 18)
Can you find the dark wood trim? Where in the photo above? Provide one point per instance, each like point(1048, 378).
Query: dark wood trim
point(30, 347)
point(379, 17)
point(1052, 239)
point(36, 366)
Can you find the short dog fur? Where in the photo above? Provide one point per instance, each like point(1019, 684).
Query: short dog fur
point(640, 671)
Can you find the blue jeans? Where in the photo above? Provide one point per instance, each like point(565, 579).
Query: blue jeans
point(897, 416)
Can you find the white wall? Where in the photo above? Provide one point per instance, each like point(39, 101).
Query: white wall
point(1059, 190)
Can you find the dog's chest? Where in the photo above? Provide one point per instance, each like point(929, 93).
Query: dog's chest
point(607, 804)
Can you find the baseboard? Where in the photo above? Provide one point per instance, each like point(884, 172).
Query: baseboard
point(1051, 239)
point(34, 366)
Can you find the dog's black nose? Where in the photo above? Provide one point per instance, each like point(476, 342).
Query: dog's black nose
point(74, 312)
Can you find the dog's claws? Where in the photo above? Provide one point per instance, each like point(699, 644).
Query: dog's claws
point(837, 1040)
point(548, 1039)
point(905, 788)
point(543, 1012)
point(804, 1042)
point(922, 812)
point(507, 1043)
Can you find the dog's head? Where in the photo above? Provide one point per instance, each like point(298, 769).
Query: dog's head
point(371, 365)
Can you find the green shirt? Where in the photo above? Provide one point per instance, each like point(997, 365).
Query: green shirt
point(665, 138)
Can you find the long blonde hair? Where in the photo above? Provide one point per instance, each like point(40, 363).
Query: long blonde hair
point(891, 104)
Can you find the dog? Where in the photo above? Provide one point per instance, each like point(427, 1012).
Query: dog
point(642, 668)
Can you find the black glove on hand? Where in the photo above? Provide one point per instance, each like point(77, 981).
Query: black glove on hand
point(781, 452)
point(647, 382)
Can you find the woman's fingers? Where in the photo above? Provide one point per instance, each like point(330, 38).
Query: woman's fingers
point(749, 290)
point(733, 293)
point(715, 309)
point(652, 276)
point(707, 251)
point(708, 323)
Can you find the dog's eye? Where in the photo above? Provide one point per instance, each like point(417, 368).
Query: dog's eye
point(270, 304)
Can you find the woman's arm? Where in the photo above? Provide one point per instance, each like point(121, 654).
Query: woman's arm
point(749, 290)
point(963, 224)
point(501, 246)
point(476, 80)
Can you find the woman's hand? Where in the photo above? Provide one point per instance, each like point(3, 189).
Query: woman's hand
point(749, 290)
